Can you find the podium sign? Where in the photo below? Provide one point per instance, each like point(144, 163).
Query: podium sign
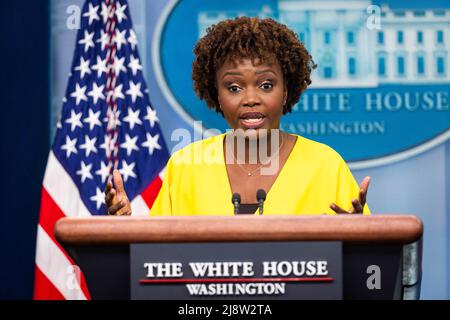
point(244, 270)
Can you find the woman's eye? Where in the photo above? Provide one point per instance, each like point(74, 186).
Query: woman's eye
point(234, 89)
point(267, 86)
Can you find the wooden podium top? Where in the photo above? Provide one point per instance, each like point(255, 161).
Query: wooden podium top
point(401, 229)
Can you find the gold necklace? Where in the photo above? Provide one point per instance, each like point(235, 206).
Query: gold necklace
point(249, 173)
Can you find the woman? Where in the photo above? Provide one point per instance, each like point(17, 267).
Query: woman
point(251, 71)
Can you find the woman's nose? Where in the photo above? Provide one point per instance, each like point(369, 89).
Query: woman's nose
point(251, 98)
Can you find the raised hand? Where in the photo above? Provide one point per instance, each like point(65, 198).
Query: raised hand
point(358, 204)
point(116, 199)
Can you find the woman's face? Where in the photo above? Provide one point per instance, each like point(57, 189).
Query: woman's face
point(251, 96)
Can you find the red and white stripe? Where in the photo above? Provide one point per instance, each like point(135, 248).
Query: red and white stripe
point(61, 198)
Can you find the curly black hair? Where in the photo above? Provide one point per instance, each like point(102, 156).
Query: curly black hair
point(253, 38)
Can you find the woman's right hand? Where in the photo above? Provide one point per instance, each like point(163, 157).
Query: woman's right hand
point(116, 200)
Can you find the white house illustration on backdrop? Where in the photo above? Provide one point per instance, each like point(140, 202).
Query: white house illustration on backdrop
point(411, 47)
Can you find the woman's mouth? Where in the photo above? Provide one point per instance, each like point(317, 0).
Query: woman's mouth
point(252, 120)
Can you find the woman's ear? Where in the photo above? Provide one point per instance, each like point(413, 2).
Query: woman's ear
point(285, 96)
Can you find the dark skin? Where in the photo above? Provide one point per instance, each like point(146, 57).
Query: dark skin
point(116, 199)
point(245, 86)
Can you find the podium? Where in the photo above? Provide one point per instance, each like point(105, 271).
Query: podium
point(389, 244)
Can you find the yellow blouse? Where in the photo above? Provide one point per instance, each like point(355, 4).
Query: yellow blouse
point(196, 182)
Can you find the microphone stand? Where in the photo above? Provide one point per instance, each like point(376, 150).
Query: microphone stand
point(236, 200)
point(261, 197)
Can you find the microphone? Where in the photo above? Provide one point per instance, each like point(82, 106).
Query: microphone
point(261, 197)
point(236, 200)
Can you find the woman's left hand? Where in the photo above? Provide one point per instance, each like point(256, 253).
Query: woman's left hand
point(358, 204)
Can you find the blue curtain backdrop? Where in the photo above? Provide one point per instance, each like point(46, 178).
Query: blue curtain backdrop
point(25, 133)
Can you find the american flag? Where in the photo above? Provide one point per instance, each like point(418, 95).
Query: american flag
point(107, 122)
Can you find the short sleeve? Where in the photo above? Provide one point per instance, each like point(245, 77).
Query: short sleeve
point(163, 203)
point(347, 189)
